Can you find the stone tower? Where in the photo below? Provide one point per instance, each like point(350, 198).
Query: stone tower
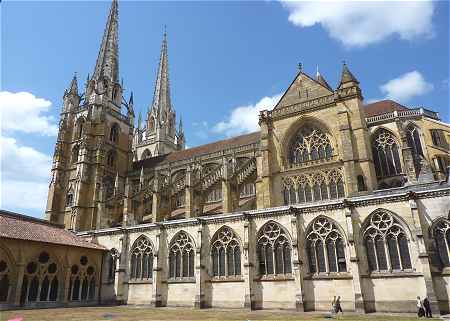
point(93, 148)
point(160, 135)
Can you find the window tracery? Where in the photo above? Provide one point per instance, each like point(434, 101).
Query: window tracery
point(181, 257)
point(316, 186)
point(386, 243)
point(273, 250)
point(310, 144)
point(113, 257)
point(225, 254)
point(82, 283)
point(386, 154)
point(146, 154)
point(325, 247)
point(114, 133)
point(40, 280)
point(141, 259)
point(441, 233)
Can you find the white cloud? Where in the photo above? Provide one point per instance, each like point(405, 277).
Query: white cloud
point(23, 112)
point(244, 119)
point(406, 86)
point(360, 23)
point(25, 175)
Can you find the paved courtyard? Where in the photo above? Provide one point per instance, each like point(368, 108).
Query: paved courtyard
point(133, 313)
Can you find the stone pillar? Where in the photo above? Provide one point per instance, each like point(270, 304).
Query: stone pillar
point(264, 197)
point(158, 259)
point(199, 302)
point(189, 193)
point(227, 202)
point(249, 301)
point(354, 261)
point(122, 275)
point(128, 213)
point(423, 255)
point(20, 274)
point(65, 292)
point(296, 265)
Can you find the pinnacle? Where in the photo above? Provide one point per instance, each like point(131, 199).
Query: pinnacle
point(108, 57)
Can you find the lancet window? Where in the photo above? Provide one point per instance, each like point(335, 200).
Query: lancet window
point(141, 259)
point(181, 257)
point(225, 254)
point(310, 144)
point(385, 152)
point(273, 250)
point(325, 247)
point(386, 243)
point(113, 257)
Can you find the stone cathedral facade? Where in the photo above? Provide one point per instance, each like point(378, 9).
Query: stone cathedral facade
point(330, 197)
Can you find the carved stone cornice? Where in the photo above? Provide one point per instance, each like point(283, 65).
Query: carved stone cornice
point(308, 105)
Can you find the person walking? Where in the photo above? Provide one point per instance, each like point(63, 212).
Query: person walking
point(427, 307)
point(333, 306)
point(337, 305)
point(420, 310)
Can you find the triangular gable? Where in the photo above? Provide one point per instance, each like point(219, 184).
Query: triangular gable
point(303, 88)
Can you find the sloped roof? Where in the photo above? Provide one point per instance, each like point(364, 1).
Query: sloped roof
point(26, 228)
point(382, 107)
point(199, 150)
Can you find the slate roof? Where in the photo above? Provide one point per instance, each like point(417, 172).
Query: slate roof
point(199, 150)
point(382, 107)
point(26, 228)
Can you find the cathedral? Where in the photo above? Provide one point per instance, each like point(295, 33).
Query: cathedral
point(331, 197)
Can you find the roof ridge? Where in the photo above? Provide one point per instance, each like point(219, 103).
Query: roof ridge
point(28, 218)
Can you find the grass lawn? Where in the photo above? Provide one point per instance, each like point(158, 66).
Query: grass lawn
point(131, 313)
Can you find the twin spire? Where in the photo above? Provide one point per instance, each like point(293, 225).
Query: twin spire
point(107, 65)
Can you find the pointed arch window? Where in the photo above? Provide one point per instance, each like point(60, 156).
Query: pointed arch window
point(5, 278)
point(310, 144)
point(69, 198)
point(441, 233)
point(181, 257)
point(274, 251)
point(75, 153)
point(146, 154)
point(113, 257)
point(79, 128)
point(114, 133)
point(225, 254)
point(325, 247)
point(386, 243)
point(111, 159)
point(40, 280)
point(141, 259)
point(385, 152)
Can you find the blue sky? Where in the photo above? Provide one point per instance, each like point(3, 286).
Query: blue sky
point(227, 60)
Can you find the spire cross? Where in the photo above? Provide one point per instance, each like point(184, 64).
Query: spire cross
point(300, 66)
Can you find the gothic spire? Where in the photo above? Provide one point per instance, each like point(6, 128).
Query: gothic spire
point(140, 121)
point(347, 76)
point(321, 80)
point(161, 105)
point(74, 85)
point(108, 57)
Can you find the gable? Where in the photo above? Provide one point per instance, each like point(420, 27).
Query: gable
point(303, 88)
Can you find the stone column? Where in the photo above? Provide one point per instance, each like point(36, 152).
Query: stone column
point(65, 292)
point(354, 260)
point(199, 302)
point(423, 255)
point(248, 274)
point(158, 259)
point(20, 274)
point(296, 265)
point(227, 202)
point(264, 197)
point(128, 213)
point(122, 275)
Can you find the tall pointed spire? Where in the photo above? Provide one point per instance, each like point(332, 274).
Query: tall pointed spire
point(74, 85)
point(162, 105)
point(321, 80)
point(108, 57)
point(347, 76)
point(139, 121)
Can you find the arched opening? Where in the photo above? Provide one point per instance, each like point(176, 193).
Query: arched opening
point(225, 253)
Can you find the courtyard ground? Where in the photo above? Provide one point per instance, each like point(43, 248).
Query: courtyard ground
point(133, 313)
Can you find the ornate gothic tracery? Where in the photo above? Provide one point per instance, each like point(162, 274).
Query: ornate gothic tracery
point(113, 257)
point(82, 284)
point(386, 154)
point(441, 232)
point(313, 187)
point(181, 256)
point(225, 253)
point(40, 281)
point(325, 247)
point(386, 243)
point(274, 250)
point(310, 144)
point(141, 259)
point(5, 277)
